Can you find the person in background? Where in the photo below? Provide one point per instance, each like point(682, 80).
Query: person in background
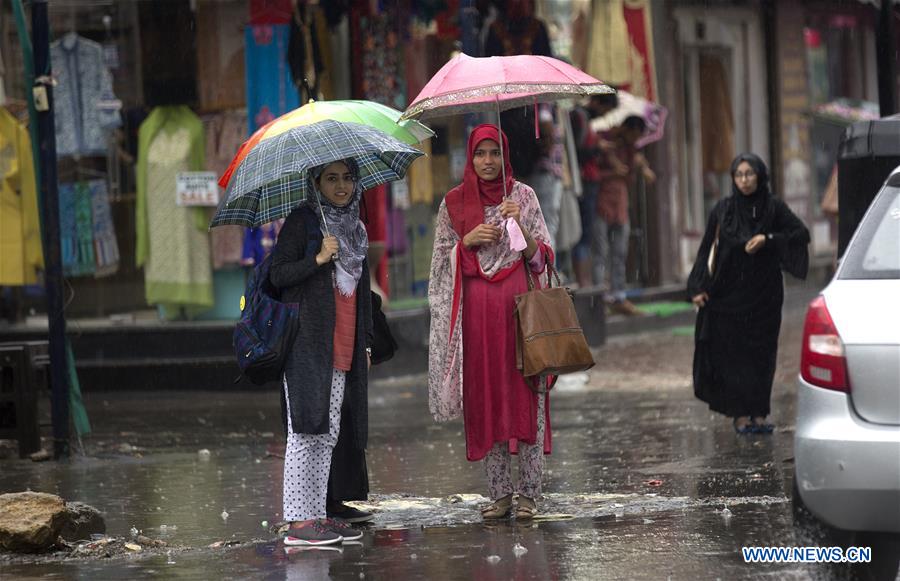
point(617, 168)
point(737, 286)
point(546, 177)
point(588, 147)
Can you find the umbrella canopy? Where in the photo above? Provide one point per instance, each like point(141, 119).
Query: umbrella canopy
point(632, 105)
point(368, 113)
point(272, 178)
point(469, 85)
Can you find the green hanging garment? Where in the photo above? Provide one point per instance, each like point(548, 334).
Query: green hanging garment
point(172, 241)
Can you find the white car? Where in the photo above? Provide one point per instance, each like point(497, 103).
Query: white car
point(847, 442)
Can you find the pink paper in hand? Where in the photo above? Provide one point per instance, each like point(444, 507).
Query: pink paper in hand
point(516, 238)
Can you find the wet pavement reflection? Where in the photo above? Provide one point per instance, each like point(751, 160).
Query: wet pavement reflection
point(643, 483)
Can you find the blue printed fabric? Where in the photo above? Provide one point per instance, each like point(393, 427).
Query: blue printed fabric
point(85, 107)
point(68, 235)
point(106, 248)
point(270, 90)
point(76, 229)
point(84, 227)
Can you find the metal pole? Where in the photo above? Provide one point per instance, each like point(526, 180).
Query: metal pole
point(886, 60)
point(50, 211)
point(469, 25)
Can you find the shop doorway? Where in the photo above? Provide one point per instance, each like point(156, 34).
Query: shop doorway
point(724, 110)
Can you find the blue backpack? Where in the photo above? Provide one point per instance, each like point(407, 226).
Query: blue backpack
point(266, 330)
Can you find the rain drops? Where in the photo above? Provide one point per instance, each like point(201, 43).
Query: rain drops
point(493, 559)
point(519, 550)
point(224, 516)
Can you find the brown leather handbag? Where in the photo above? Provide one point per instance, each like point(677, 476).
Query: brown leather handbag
point(549, 339)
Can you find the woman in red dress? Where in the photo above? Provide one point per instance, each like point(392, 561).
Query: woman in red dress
point(475, 275)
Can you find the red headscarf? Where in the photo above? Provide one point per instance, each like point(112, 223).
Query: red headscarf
point(466, 202)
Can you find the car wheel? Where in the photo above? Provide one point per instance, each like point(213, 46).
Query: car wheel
point(885, 556)
point(811, 531)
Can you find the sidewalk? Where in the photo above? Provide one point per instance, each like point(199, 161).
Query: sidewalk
point(142, 353)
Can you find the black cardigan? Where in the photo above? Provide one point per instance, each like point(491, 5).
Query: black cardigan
point(309, 366)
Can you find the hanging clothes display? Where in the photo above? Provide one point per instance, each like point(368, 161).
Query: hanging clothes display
point(307, 54)
point(86, 109)
point(383, 76)
point(220, 54)
point(76, 227)
point(341, 71)
point(622, 48)
point(20, 229)
point(2, 80)
point(87, 236)
point(270, 90)
point(420, 177)
point(270, 12)
point(258, 242)
point(225, 132)
point(106, 247)
point(172, 244)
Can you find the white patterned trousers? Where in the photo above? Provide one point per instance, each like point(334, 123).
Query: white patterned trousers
point(307, 459)
point(498, 464)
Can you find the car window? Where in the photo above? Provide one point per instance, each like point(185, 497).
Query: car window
point(875, 251)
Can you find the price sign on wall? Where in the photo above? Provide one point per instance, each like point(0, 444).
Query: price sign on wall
point(196, 188)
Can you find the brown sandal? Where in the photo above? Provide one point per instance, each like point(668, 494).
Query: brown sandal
point(526, 508)
point(500, 508)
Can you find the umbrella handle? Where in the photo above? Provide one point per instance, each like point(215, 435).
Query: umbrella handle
point(322, 212)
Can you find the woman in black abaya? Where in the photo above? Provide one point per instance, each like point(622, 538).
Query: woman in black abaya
point(737, 285)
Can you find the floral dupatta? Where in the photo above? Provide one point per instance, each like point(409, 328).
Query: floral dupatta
point(445, 294)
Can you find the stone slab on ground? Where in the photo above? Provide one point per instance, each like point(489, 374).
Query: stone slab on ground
point(30, 521)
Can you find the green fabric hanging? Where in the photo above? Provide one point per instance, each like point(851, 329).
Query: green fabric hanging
point(76, 404)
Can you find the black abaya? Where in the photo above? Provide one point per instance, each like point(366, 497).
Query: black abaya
point(736, 334)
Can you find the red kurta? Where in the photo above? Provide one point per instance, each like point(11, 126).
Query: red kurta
point(498, 406)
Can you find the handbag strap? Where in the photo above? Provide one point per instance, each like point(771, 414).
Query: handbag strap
point(551, 274)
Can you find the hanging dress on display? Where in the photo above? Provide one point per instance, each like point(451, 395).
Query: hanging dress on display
point(20, 229)
point(270, 89)
point(172, 242)
point(86, 109)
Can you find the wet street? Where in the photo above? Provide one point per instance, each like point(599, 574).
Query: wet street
point(643, 483)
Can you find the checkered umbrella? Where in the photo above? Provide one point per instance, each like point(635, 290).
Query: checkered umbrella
point(272, 179)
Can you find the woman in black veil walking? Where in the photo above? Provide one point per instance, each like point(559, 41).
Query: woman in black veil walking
point(737, 285)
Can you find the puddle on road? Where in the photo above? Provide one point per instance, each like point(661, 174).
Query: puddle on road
point(695, 541)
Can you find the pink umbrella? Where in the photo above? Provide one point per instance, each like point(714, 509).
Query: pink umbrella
point(470, 84)
point(652, 113)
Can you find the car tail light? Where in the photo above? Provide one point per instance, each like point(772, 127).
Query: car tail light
point(822, 361)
